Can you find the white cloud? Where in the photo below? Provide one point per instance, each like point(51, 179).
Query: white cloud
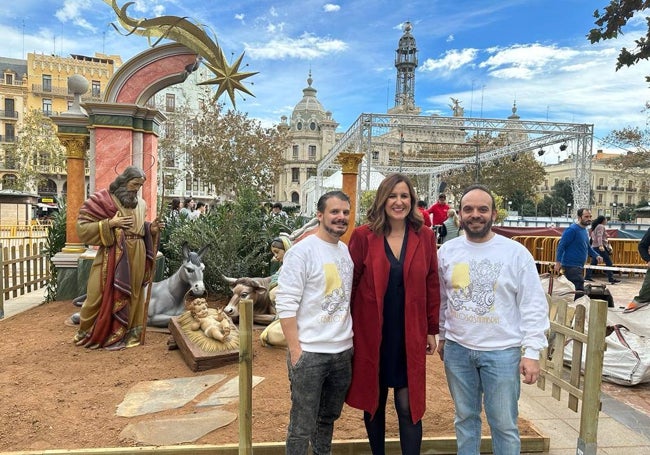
point(449, 39)
point(72, 12)
point(308, 46)
point(524, 61)
point(452, 60)
point(240, 17)
point(330, 8)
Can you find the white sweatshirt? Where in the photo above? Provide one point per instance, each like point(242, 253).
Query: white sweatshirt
point(315, 284)
point(491, 296)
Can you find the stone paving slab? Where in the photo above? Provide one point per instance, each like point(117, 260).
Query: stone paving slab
point(154, 396)
point(177, 430)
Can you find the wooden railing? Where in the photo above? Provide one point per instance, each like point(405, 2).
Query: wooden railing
point(23, 268)
point(582, 384)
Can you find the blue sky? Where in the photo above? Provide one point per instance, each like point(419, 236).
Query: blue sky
point(486, 53)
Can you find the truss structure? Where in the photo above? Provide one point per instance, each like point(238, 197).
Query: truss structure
point(434, 146)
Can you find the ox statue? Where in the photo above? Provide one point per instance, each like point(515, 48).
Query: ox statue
point(168, 296)
point(256, 289)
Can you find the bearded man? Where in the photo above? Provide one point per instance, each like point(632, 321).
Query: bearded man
point(112, 316)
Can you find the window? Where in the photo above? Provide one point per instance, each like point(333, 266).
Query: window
point(295, 175)
point(170, 160)
point(47, 83)
point(312, 126)
point(170, 182)
point(600, 198)
point(311, 172)
point(170, 102)
point(295, 152)
point(9, 79)
point(47, 107)
point(96, 89)
point(312, 152)
point(375, 156)
point(151, 102)
point(299, 126)
point(8, 181)
point(10, 132)
point(600, 182)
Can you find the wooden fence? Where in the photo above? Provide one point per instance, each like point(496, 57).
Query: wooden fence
point(568, 324)
point(23, 268)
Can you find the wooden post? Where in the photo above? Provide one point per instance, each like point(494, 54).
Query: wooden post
point(587, 439)
point(246, 377)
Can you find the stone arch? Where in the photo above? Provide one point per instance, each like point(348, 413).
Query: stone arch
point(124, 131)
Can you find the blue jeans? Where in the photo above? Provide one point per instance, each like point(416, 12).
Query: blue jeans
point(319, 383)
point(490, 378)
point(576, 276)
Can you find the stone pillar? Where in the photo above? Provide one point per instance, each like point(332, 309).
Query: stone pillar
point(75, 146)
point(350, 170)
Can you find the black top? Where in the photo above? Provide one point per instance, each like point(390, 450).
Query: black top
point(392, 366)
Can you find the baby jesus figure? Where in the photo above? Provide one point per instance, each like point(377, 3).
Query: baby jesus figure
point(213, 326)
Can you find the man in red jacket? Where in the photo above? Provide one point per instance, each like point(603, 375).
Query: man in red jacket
point(439, 210)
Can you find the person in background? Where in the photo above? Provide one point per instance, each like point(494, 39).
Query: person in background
point(174, 209)
point(276, 211)
point(439, 210)
point(395, 311)
point(493, 319)
point(200, 210)
point(573, 249)
point(422, 207)
point(600, 243)
point(279, 247)
point(643, 298)
point(188, 207)
point(452, 226)
point(313, 305)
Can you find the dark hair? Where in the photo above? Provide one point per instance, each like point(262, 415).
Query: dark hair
point(187, 201)
point(175, 204)
point(200, 204)
point(130, 173)
point(442, 196)
point(422, 204)
point(277, 205)
point(581, 211)
point(477, 186)
point(322, 201)
point(599, 220)
point(377, 219)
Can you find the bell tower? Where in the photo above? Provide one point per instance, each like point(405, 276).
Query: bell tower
point(406, 60)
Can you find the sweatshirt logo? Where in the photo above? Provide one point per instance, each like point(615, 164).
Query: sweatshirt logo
point(473, 286)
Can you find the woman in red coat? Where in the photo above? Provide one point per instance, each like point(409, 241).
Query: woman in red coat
point(395, 304)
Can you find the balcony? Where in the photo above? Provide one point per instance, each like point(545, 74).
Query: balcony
point(618, 188)
point(601, 187)
point(630, 190)
point(7, 138)
point(50, 91)
point(9, 114)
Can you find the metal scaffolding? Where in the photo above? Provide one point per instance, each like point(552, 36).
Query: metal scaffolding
point(432, 146)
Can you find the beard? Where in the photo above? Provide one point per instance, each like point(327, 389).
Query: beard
point(128, 199)
point(331, 230)
point(480, 234)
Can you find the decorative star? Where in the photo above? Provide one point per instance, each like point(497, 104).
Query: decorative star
point(228, 78)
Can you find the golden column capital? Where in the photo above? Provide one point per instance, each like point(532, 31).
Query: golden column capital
point(349, 162)
point(75, 145)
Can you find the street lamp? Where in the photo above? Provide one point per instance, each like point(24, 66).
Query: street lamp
point(568, 210)
point(614, 209)
point(509, 207)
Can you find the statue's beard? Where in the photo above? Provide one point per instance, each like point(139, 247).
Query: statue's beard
point(128, 199)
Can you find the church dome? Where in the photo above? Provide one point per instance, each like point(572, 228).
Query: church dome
point(309, 112)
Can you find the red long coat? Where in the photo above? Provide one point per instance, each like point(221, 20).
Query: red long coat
point(422, 305)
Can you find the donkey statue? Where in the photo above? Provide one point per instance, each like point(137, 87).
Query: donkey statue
point(168, 296)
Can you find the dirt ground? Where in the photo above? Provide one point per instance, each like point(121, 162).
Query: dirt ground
point(55, 395)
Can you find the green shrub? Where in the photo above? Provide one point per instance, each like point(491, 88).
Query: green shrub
point(54, 244)
point(239, 234)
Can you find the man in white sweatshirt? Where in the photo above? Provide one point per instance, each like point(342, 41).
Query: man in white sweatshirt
point(313, 304)
point(493, 315)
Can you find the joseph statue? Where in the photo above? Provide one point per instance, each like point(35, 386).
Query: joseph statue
point(113, 314)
